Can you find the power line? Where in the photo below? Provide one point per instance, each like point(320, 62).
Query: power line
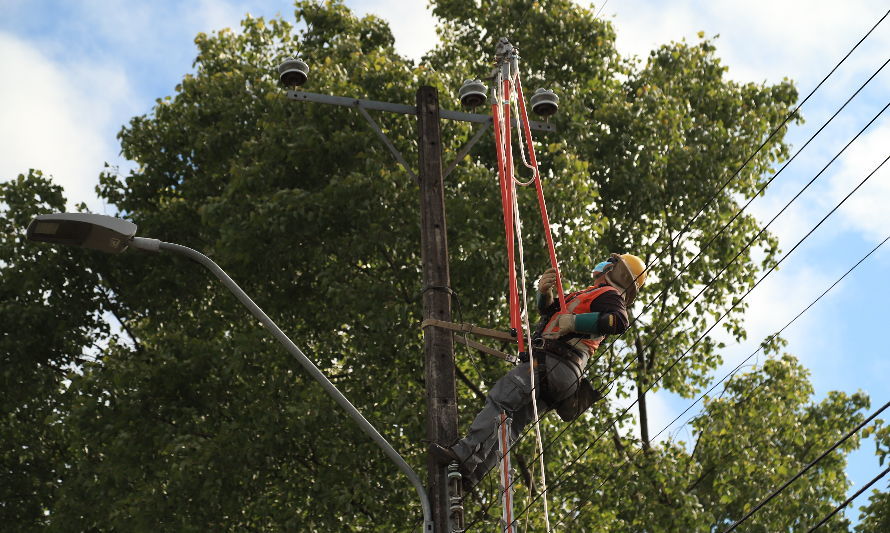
point(725, 184)
point(806, 468)
point(654, 299)
point(725, 226)
point(559, 478)
point(850, 499)
point(736, 369)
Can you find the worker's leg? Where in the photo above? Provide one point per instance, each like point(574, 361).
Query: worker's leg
point(519, 419)
point(562, 380)
point(510, 394)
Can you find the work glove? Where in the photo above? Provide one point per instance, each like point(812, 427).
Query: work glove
point(565, 323)
point(547, 280)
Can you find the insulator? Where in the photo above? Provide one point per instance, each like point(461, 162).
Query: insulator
point(473, 94)
point(545, 102)
point(293, 72)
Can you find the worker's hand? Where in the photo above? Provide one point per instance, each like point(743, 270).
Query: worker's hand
point(547, 280)
point(564, 324)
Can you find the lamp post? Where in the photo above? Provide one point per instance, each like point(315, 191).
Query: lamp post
point(114, 235)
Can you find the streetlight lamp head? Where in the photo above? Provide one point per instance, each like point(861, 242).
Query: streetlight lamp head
point(97, 232)
point(472, 94)
point(545, 102)
point(293, 72)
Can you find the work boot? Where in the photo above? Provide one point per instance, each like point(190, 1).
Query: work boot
point(444, 455)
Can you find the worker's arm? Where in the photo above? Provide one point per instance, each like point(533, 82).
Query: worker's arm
point(599, 323)
point(607, 316)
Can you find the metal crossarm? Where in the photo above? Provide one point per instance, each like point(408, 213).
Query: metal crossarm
point(404, 109)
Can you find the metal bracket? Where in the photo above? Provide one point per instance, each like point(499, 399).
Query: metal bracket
point(466, 149)
point(388, 143)
point(375, 105)
point(364, 105)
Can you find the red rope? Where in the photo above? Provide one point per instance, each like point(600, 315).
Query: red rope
point(539, 188)
point(504, 148)
point(515, 317)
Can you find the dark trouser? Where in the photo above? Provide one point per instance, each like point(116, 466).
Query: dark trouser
point(512, 395)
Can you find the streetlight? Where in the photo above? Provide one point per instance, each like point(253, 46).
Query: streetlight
point(114, 235)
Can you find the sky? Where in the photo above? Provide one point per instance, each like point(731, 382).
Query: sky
point(75, 72)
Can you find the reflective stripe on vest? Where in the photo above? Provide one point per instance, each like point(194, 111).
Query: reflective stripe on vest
point(574, 301)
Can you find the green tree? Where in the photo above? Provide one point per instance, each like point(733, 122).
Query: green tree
point(201, 421)
point(747, 443)
point(876, 515)
point(51, 305)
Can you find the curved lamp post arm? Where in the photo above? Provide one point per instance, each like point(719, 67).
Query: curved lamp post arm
point(155, 245)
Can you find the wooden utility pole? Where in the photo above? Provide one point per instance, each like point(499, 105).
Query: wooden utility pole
point(438, 347)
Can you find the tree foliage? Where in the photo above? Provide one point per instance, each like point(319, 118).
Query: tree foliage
point(193, 418)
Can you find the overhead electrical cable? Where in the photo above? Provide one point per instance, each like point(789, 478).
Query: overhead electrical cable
point(560, 477)
point(750, 242)
point(726, 225)
point(732, 374)
point(795, 477)
point(850, 499)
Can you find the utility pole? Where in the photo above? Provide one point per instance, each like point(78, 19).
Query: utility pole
point(438, 347)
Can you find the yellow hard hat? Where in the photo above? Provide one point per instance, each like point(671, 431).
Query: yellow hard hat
point(636, 267)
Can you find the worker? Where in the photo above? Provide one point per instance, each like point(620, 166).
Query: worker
point(562, 343)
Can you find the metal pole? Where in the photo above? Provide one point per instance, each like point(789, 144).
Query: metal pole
point(156, 245)
point(438, 345)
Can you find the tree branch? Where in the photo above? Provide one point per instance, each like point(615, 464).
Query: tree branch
point(641, 394)
point(470, 385)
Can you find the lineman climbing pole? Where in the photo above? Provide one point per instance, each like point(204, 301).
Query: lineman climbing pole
point(507, 92)
point(438, 341)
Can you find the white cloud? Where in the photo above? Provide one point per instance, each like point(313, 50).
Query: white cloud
point(759, 40)
point(412, 24)
point(866, 210)
point(60, 118)
point(214, 15)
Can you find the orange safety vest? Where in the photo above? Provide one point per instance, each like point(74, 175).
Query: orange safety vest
point(581, 299)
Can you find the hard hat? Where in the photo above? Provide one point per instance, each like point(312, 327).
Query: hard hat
point(636, 267)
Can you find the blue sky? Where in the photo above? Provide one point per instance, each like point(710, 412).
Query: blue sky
point(75, 72)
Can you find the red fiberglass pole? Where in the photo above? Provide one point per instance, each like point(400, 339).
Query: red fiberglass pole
point(507, 203)
point(515, 319)
point(523, 117)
